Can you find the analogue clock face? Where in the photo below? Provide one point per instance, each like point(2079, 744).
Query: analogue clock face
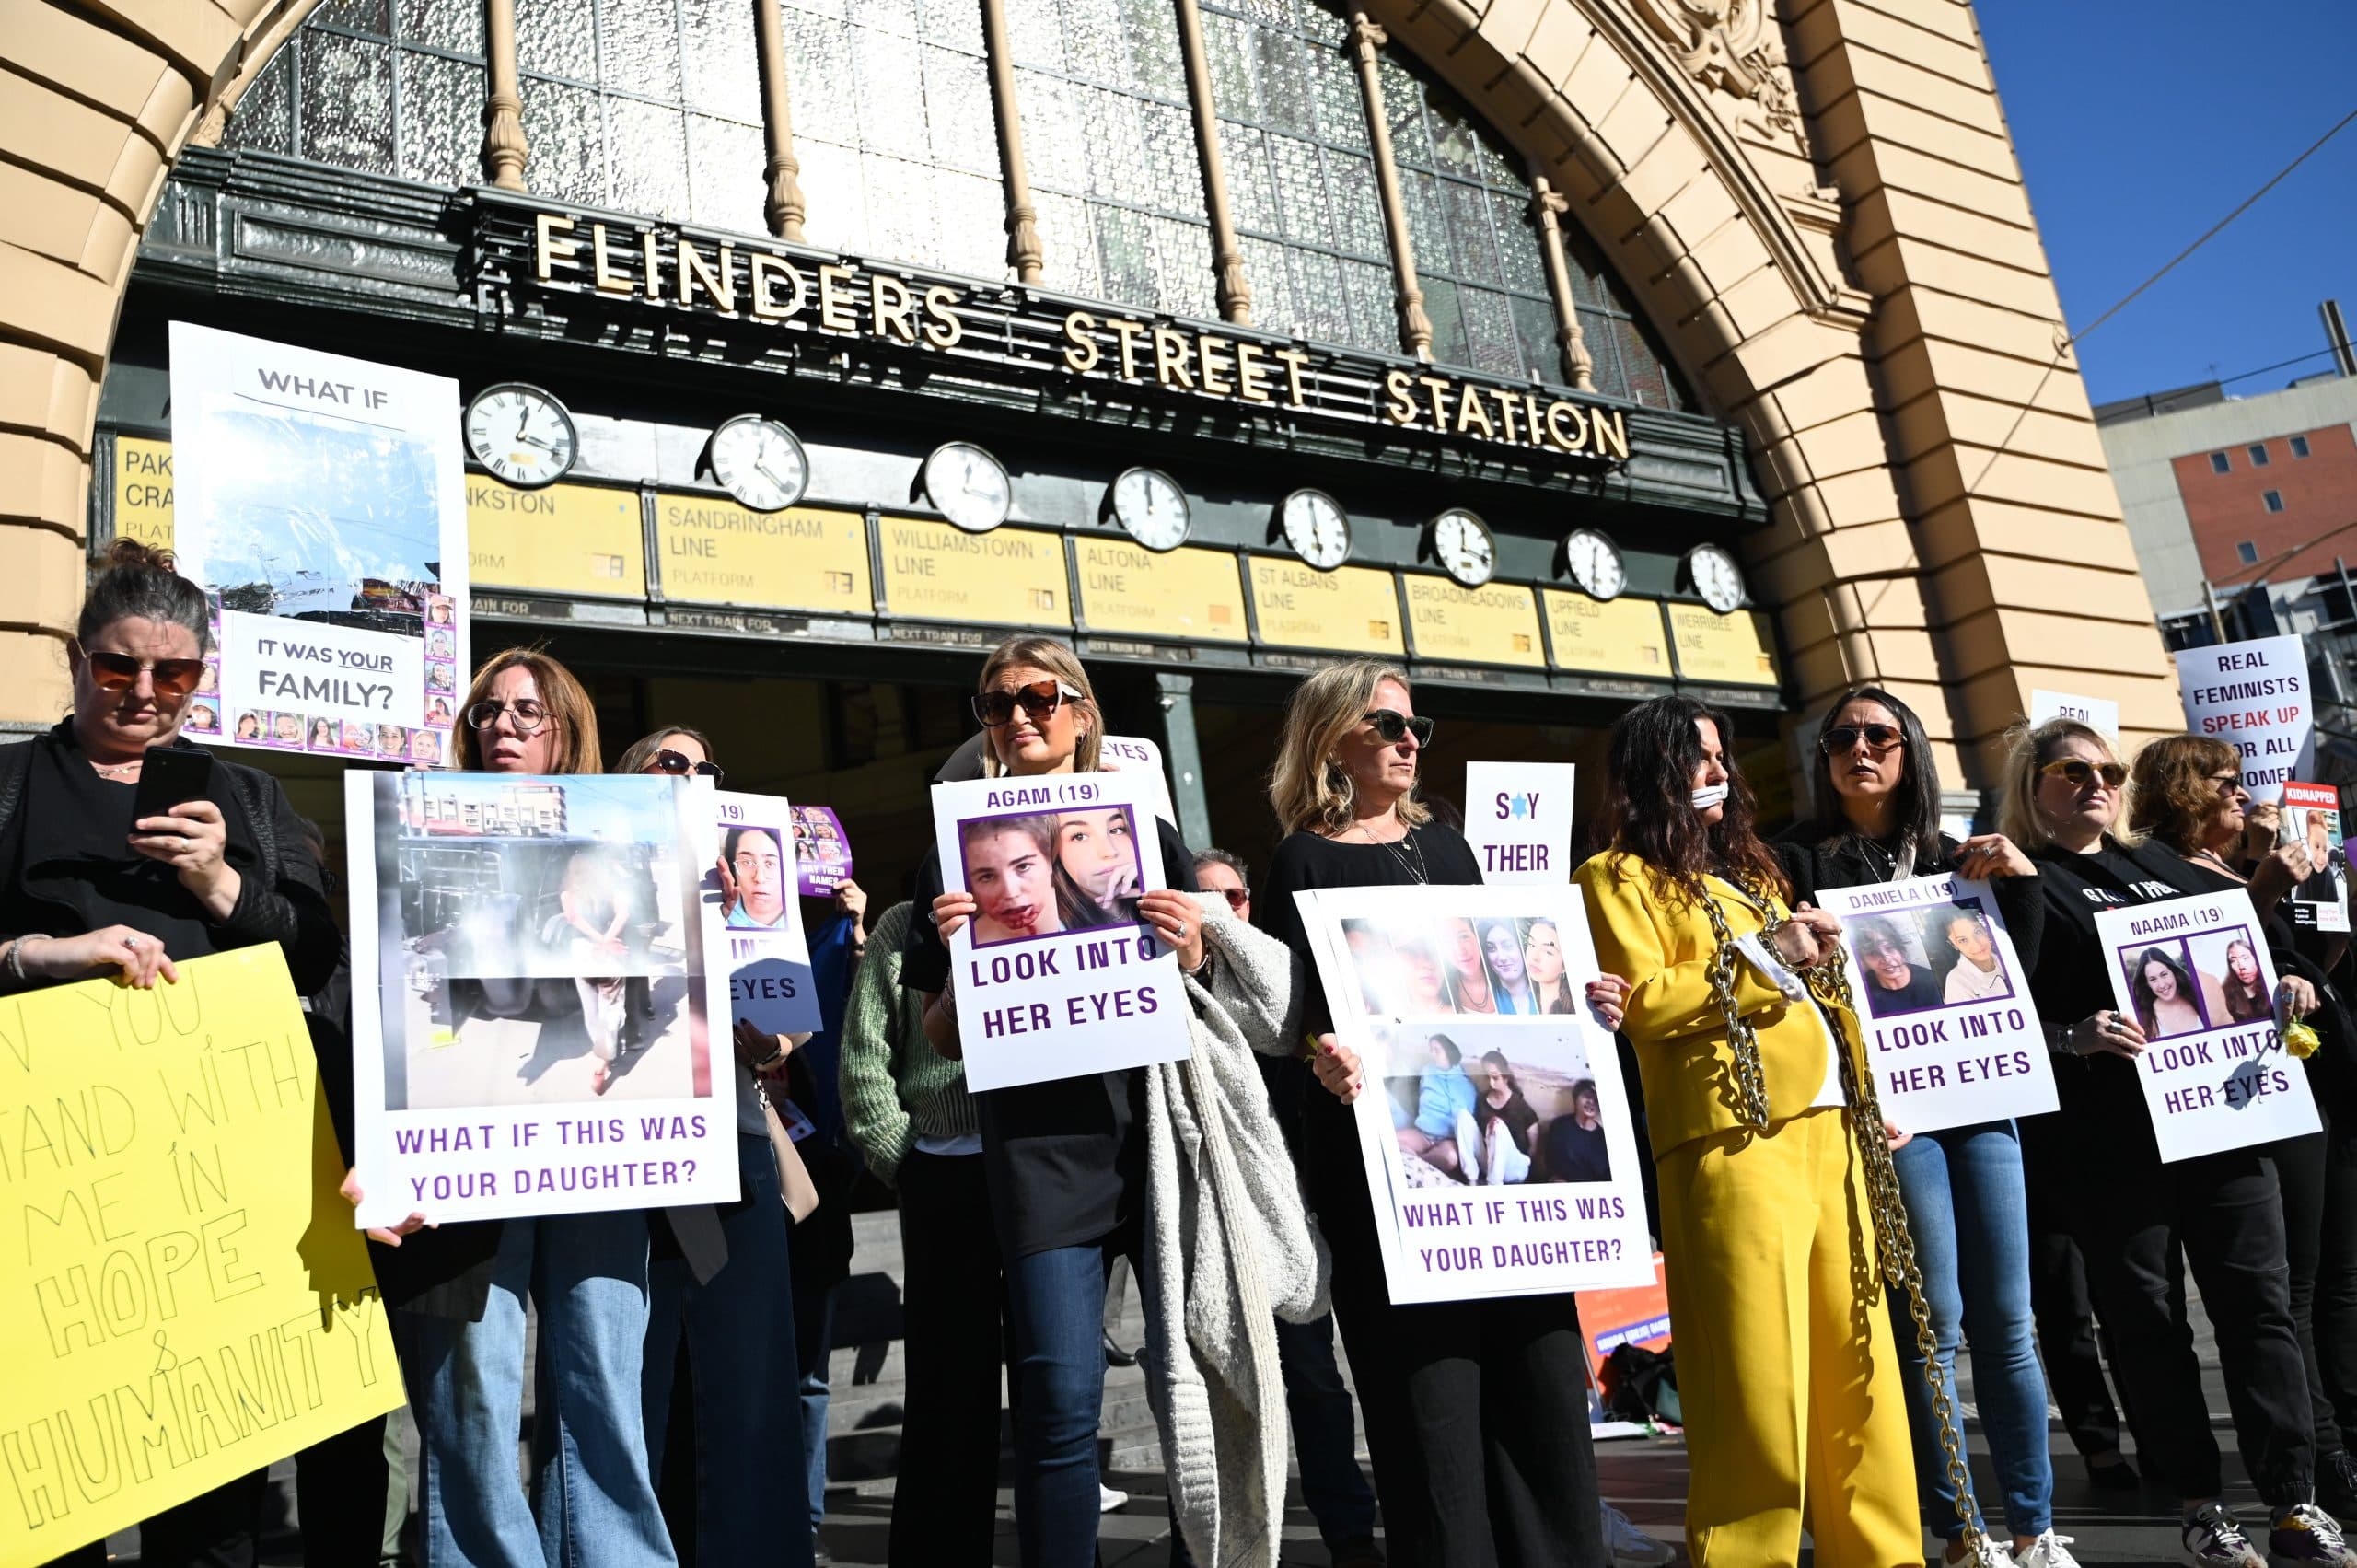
point(521, 434)
point(1716, 577)
point(1461, 544)
point(760, 462)
point(1593, 561)
point(1149, 504)
point(967, 485)
point(1317, 529)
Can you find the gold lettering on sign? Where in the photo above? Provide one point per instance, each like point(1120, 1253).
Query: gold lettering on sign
point(609, 278)
point(1211, 350)
point(834, 303)
point(768, 270)
point(1251, 376)
point(942, 326)
point(1128, 332)
point(1170, 356)
point(890, 309)
point(547, 249)
point(695, 272)
point(1082, 356)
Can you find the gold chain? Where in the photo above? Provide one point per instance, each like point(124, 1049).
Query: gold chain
point(1830, 980)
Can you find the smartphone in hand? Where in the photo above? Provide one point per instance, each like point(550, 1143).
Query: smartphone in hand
point(169, 776)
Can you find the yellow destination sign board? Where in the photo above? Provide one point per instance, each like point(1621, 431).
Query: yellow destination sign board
point(1352, 609)
point(1183, 596)
point(934, 571)
point(1496, 623)
point(567, 539)
point(1621, 637)
point(1726, 650)
point(143, 491)
point(714, 552)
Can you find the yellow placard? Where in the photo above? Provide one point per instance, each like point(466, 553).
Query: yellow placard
point(714, 552)
point(1728, 650)
point(1496, 623)
point(1185, 595)
point(1352, 609)
point(143, 491)
point(567, 539)
point(934, 571)
point(185, 1298)
point(1619, 637)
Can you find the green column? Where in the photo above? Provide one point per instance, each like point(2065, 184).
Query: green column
point(1185, 756)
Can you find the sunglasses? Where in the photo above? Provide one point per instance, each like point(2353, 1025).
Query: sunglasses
point(526, 715)
point(2228, 784)
point(1842, 738)
point(1237, 898)
point(2082, 772)
point(1037, 701)
point(678, 764)
point(174, 678)
point(1392, 726)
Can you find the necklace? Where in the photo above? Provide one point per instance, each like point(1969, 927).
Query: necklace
point(1892, 862)
point(1410, 859)
point(115, 770)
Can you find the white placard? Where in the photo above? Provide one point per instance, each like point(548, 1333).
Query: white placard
point(510, 934)
point(1056, 976)
point(1518, 819)
point(2196, 976)
point(1944, 1003)
point(2312, 817)
point(2255, 696)
point(2099, 713)
point(752, 888)
point(1135, 754)
point(320, 502)
point(1500, 1153)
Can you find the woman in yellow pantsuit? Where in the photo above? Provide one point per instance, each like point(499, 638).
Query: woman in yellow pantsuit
point(1794, 1414)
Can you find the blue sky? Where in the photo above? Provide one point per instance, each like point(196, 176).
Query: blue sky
point(2141, 126)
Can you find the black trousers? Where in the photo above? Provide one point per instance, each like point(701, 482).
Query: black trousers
point(1475, 1410)
point(214, 1529)
point(340, 1485)
point(2060, 1300)
point(2318, 1174)
point(945, 1508)
point(2226, 1211)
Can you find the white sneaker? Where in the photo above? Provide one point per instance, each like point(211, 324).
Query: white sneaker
point(1630, 1547)
point(1994, 1554)
point(2048, 1550)
point(1108, 1499)
point(2213, 1539)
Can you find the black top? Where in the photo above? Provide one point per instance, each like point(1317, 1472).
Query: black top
point(1816, 855)
point(1305, 860)
point(1570, 1151)
point(1515, 1113)
point(1065, 1159)
point(1922, 990)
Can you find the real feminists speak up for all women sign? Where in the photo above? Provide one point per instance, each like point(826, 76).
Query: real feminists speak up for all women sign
point(540, 985)
point(2253, 696)
point(322, 503)
point(1056, 975)
point(182, 1296)
point(1944, 1004)
point(2194, 975)
point(1499, 1147)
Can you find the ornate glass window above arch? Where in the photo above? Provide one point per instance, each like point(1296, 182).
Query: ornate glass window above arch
point(892, 128)
point(1108, 142)
point(1481, 260)
point(1300, 174)
point(387, 87)
point(646, 105)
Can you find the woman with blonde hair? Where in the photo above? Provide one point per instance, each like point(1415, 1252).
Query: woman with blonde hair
point(2066, 804)
point(1462, 1484)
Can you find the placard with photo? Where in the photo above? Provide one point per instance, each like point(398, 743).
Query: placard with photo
point(1500, 1151)
point(822, 851)
point(2312, 817)
point(540, 989)
point(1944, 1003)
point(2196, 976)
point(751, 889)
point(1057, 975)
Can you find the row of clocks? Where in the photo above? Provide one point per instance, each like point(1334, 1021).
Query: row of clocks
point(526, 437)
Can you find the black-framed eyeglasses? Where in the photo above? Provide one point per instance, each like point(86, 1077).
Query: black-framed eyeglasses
point(1391, 725)
point(1037, 701)
point(526, 715)
point(680, 764)
point(2082, 772)
point(1237, 898)
point(1841, 738)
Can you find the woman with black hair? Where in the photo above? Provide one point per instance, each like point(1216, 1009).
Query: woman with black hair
point(1968, 1202)
point(1795, 1416)
point(2166, 996)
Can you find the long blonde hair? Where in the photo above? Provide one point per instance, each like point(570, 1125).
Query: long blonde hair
point(1045, 653)
point(1309, 788)
point(2032, 749)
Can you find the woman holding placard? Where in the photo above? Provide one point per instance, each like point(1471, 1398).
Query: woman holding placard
point(2064, 800)
point(2190, 795)
point(1459, 1485)
point(1751, 1089)
point(1967, 1199)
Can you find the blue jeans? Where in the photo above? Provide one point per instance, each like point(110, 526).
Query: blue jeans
point(1324, 1438)
point(814, 1335)
point(1057, 1301)
point(739, 1327)
point(1970, 1212)
point(586, 1274)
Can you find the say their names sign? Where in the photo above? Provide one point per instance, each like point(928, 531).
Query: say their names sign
point(2253, 696)
point(2194, 975)
point(1518, 819)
